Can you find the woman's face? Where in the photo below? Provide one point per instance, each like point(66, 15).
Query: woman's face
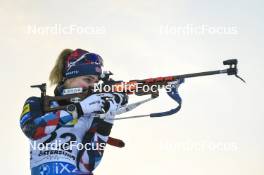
point(81, 81)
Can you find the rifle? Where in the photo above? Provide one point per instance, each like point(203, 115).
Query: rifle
point(130, 88)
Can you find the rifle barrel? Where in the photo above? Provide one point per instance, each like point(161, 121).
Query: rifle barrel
point(199, 74)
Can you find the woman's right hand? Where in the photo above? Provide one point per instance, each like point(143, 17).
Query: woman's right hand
point(93, 104)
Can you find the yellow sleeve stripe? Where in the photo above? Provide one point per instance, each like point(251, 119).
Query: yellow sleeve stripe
point(26, 109)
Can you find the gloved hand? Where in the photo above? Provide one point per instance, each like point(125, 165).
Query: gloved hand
point(110, 114)
point(113, 101)
point(99, 103)
point(121, 98)
point(92, 104)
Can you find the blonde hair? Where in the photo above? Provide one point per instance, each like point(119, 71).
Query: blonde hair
point(56, 74)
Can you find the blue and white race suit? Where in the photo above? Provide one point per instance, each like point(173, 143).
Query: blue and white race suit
point(60, 142)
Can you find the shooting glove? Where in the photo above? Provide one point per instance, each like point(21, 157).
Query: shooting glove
point(92, 104)
point(113, 101)
point(121, 98)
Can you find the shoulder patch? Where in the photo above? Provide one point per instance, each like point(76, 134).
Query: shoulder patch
point(26, 109)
